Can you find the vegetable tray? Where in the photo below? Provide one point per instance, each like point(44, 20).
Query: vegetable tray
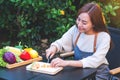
point(9, 66)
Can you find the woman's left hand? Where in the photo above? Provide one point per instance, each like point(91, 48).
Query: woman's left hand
point(58, 62)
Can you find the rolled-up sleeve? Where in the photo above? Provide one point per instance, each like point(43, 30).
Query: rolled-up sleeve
point(66, 41)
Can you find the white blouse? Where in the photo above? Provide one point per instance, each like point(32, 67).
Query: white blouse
point(86, 43)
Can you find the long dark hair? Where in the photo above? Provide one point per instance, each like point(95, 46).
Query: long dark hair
point(96, 16)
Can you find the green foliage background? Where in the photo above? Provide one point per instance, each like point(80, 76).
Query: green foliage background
point(29, 21)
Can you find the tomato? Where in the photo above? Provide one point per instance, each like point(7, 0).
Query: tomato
point(33, 53)
point(25, 55)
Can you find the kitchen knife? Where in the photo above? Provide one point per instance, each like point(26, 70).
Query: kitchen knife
point(48, 59)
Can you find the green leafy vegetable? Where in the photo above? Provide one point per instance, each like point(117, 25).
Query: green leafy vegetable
point(2, 62)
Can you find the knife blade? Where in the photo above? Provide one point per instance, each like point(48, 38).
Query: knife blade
point(48, 59)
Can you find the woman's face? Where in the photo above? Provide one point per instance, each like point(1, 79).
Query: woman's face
point(84, 23)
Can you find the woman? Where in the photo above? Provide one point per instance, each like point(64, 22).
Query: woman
point(89, 39)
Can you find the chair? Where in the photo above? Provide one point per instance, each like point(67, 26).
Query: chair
point(113, 55)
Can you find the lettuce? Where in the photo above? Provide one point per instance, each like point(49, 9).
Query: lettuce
point(2, 62)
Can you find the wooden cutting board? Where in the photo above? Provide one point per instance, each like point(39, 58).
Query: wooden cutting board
point(9, 66)
point(43, 67)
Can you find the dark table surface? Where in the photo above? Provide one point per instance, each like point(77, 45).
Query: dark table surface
point(68, 73)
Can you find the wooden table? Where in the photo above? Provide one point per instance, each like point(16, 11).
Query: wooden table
point(68, 73)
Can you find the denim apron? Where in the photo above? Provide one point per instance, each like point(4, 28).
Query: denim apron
point(102, 70)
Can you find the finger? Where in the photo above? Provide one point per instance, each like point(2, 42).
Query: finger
point(47, 55)
point(53, 62)
point(57, 65)
point(51, 56)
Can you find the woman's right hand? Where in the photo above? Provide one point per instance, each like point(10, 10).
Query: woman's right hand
point(51, 51)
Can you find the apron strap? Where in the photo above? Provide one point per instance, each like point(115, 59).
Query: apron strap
point(77, 39)
point(95, 41)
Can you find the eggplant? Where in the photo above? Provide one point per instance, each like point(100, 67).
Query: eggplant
point(9, 57)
